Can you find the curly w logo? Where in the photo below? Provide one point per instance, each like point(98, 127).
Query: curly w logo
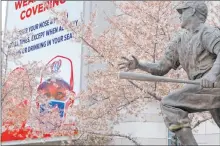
point(55, 66)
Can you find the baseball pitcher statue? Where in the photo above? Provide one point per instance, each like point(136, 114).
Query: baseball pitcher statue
point(197, 50)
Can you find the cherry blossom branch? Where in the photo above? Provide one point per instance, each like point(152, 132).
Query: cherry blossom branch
point(116, 135)
point(124, 33)
point(126, 104)
point(92, 47)
point(201, 121)
point(87, 43)
point(150, 93)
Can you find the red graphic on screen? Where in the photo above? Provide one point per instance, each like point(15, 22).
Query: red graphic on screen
point(57, 65)
point(55, 88)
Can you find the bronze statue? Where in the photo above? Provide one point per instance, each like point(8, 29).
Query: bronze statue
point(197, 49)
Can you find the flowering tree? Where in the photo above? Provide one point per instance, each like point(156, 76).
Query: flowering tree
point(142, 28)
point(18, 85)
point(19, 102)
point(214, 17)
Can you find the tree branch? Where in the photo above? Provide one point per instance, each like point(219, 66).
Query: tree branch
point(154, 96)
point(201, 121)
point(116, 135)
point(126, 104)
point(126, 35)
point(92, 47)
point(148, 92)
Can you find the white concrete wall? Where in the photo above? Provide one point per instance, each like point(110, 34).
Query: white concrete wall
point(151, 130)
point(91, 6)
point(208, 134)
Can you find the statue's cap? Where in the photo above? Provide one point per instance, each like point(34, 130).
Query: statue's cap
point(199, 6)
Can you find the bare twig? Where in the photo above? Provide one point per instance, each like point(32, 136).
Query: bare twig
point(201, 121)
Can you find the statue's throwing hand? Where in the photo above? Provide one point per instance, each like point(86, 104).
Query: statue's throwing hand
point(128, 64)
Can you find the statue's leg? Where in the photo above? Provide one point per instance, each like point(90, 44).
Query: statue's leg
point(176, 106)
point(185, 136)
point(178, 122)
point(216, 115)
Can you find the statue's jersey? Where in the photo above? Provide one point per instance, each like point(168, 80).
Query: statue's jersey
point(196, 52)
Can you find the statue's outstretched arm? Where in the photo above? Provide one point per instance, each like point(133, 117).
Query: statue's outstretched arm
point(169, 61)
point(161, 68)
